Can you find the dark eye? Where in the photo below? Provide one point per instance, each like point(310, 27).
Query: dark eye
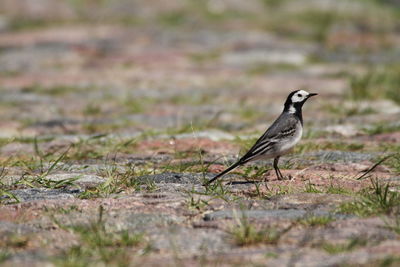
point(300, 95)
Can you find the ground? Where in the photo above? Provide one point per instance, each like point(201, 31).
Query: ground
point(115, 112)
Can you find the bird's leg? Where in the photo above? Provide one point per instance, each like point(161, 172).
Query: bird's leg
point(277, 174)
point(282, 177)
point(277, 171)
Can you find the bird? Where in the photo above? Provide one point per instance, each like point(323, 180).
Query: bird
point(280, 138)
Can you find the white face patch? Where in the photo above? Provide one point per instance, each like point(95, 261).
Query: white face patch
point(300, 96)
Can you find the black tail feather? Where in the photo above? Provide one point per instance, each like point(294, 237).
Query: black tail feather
point(222, 173)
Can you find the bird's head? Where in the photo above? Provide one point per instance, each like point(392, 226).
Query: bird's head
point(296, 99)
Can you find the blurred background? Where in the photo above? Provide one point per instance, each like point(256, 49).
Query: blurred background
point(222, 67)
point(123, 107)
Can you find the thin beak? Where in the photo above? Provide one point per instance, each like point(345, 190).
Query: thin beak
point(312, 94)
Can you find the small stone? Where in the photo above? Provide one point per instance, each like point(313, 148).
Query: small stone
point(141, 222)
point(84, 180)
point(256, 214)
point(341, 156)
point(307, 200)
point(34, 194)
point(177, 178)
point(191, 241)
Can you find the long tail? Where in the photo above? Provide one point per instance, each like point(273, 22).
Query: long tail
point(222, 173)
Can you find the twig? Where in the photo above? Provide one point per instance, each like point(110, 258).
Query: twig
point(374, 166)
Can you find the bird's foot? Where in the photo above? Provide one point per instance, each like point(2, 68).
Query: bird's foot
point(280, 176)
point(288, 177)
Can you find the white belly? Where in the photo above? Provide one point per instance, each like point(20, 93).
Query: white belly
point(283, 146)
point(288, 144)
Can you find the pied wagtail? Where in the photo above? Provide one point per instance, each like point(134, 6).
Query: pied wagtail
point(280, 137)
